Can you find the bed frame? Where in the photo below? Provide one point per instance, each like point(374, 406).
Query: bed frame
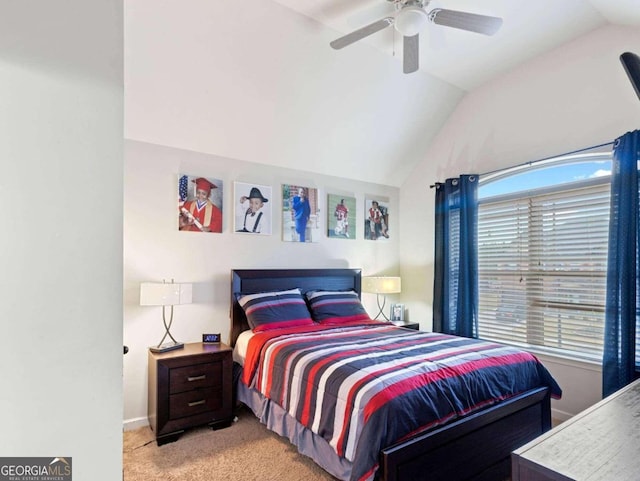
point(475, 447)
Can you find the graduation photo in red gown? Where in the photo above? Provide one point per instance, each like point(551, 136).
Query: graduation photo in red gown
point(199, 204)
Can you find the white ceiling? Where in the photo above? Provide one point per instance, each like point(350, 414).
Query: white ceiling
point(465, 59)
point(260, 83)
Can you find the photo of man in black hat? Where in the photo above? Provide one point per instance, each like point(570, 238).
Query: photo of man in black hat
point(253, 214)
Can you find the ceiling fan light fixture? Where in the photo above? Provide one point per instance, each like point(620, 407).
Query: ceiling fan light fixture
point(411, 20)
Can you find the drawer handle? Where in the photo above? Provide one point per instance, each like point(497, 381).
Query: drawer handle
point(196, 403)
point(196, 378)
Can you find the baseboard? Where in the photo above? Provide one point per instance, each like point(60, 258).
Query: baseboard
point(560, 416)
point(135, 423)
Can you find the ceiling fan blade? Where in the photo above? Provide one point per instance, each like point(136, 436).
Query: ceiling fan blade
point(471, 22)
point(410, 53)
point(631, 63)
point(361, 33)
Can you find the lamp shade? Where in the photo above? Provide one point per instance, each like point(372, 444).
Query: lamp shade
point(381, 285)
point(165, 293)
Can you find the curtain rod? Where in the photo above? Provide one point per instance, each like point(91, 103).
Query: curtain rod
point(532, 162)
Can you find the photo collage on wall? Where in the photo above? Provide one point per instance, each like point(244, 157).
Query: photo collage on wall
point(200, 209)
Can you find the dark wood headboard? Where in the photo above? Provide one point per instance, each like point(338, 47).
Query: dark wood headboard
point(249, 281)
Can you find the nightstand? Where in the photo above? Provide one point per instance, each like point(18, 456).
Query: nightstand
point(189, 387)
point(407, 324)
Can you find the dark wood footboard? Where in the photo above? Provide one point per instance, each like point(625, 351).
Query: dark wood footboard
point(476, 447)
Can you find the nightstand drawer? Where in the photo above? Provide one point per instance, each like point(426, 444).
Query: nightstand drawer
point(196, 376)
point(194, 402)
point(189, 387)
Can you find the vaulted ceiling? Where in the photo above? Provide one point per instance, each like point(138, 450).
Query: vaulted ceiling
point(258, 81)
point(466, 59)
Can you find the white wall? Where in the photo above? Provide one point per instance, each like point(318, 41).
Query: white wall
point(61, 109)
point(154, 248)
point(571, 98)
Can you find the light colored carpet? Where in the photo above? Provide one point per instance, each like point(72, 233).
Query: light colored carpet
point(245, 451)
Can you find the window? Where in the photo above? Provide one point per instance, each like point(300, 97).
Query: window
point(542, 256)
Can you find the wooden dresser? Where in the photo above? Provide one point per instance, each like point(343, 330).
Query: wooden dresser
point(600, 444)
point(189, 387)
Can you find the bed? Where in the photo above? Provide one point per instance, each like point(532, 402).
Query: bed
point(470, 445)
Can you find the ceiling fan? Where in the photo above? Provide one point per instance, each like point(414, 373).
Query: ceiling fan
point(411, 18)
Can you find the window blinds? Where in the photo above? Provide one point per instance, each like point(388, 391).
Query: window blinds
point(542, 259)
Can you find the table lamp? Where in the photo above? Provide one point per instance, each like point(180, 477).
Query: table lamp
point(381, 286)
point(165, 294)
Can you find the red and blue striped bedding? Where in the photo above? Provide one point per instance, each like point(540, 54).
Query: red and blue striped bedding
point(364, 387)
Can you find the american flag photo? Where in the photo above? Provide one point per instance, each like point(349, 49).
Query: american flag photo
point(183, 189)
point(199, 204)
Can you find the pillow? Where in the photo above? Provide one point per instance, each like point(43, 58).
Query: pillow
point(275, 310)
point(336, 307)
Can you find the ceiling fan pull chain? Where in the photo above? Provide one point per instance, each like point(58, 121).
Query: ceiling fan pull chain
point(393, 43)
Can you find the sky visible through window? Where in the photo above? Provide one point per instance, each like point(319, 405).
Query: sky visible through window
point(544, 177)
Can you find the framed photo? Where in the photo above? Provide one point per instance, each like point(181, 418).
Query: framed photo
point(397, 312)
point(199, 204)
point(252, 208)
point(341, 216)
point(300, 219)
point(376, 218)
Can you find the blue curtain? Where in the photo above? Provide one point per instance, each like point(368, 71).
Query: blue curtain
point(455, 290)
point(622, 308)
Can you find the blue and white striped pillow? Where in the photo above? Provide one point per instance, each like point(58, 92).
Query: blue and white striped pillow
point(275, 310)
point(336, 307)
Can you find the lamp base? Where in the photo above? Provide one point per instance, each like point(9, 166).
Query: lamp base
point(169, 346)
point(381, 308)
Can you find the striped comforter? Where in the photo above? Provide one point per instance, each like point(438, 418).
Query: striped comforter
point(364, 387)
